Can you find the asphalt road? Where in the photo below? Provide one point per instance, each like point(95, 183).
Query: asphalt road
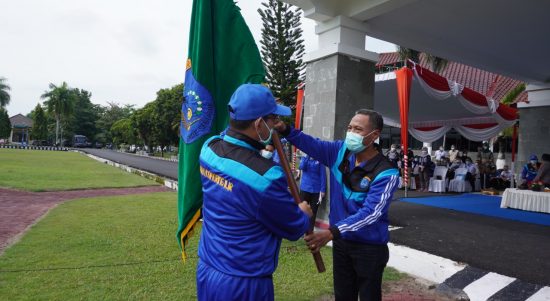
point(510, 248)
point(164, 168)
point(507, 247)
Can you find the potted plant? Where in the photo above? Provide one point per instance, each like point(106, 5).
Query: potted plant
point(536, 186)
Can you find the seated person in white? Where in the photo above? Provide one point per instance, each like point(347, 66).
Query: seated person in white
point(457, 163)
point(502, 181)
point(439, 155)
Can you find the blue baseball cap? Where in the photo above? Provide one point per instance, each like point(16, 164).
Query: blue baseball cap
point(252, 101)
point(534, 158)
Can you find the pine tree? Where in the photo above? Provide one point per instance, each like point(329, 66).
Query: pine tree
point(282, 49)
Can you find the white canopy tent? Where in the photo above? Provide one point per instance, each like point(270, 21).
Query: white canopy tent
point(437, 105)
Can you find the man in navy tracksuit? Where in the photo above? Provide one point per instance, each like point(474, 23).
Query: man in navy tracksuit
point(313, 183)
point(362, 182)
point(247, 208)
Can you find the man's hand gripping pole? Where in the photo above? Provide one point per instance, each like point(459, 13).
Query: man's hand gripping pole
point(294, 191)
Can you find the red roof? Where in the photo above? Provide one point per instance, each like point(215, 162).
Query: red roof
point(473, 78)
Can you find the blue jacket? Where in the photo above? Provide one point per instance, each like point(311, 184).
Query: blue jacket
point(359, 196)
point(314, 175)
point(529, 172)
point(247, 208)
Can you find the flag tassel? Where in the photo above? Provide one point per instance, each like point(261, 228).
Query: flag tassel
point(187, 233)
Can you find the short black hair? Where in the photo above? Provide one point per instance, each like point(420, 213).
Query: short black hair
point(375, 119)
point(240, 124)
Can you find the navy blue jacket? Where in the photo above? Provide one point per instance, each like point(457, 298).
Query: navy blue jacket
point(358, 203)
point(247, 208)
point(314, 175)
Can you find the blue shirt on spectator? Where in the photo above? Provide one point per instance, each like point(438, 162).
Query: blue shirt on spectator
point(314, 177)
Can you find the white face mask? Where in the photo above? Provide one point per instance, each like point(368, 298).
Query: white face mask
point(266, 154)
point(533, 162)
point(424, 153)
point(268, 140)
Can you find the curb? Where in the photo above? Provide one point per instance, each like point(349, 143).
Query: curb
point(146, 156)
point(49, 148)
point(460, 281)
point(148, 175)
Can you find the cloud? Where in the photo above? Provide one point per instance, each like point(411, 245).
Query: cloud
point(122, 51)
point(139, 38)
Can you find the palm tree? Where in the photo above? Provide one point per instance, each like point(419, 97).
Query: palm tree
point(436, 64)
point(4, 95)
point(60, 103)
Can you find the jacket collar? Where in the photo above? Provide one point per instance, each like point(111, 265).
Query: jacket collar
point(244, 138)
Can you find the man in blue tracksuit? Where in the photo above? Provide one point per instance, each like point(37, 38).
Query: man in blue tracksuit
point(247, 208)
point(312, 184)
point(362, 183)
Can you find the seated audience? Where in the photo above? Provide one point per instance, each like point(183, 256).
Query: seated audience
point(503, 180)
point(543, 174)
point(393, 155)
point(529, 171)
point(440, 154)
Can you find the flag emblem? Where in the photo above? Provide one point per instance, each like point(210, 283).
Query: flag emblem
point(197, 110)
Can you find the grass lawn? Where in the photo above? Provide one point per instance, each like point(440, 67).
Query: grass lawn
point(120, 248)
point(52, 170)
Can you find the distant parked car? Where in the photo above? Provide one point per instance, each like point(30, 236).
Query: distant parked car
point(98, 145)
point(80, 141)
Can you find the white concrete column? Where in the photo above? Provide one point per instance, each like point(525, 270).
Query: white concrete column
point(341, 35)
point(534, 125)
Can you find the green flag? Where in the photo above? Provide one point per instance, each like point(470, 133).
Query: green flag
point(222, 56)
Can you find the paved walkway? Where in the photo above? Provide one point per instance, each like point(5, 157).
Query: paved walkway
point(20, 209)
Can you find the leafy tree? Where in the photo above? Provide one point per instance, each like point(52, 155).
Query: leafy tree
point(510, 98)
point(5, 124)
point(435, 63)
point(123, 131)
point(83, 121)
point(108, 116)
point(166, 116)
point(282, 48)
point(142, 120)
point(60, 102)
point(4, 95)
point(40, 123)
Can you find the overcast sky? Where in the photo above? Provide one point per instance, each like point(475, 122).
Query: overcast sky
point(121, 51)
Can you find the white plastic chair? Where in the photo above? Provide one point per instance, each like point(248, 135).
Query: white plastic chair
point(412, 183)
point(459, 183)
point(436, 185)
